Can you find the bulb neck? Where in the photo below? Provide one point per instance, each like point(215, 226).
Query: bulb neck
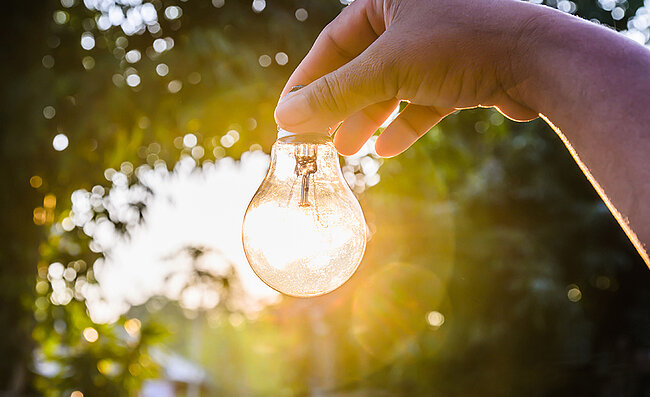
point(305, 154)
point(300, 138)
point(282, 133)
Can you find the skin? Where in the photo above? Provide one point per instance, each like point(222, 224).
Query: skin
point(592, 85)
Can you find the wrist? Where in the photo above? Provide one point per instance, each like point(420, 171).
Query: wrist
point(520, 78)
point(558, 58)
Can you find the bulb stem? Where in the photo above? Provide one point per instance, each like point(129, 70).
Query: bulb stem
point(304, 191)
point(305, 166)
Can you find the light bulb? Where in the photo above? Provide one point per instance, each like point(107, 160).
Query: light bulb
point(304, 233)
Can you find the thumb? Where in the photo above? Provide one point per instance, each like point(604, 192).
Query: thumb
point(333, 97)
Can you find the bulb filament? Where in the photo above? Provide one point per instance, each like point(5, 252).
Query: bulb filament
point(304, 191)
point(305, 166)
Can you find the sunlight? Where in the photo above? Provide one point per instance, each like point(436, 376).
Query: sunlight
point(191, 207)
point(299, 234)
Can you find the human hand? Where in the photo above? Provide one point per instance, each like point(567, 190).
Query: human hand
point(437, 55)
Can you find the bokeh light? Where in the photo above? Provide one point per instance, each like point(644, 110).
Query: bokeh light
point(162, 69)
point(173, 12)
point(132, 326)
point(174, 86)
point(159, 45)
point(133, 56)
point(281, 58)
point(48, 61)
point(264, 60)
point(49, 201)
point(35, 181)
point(88, 62)
point(435, 319)
point(190, 140)
point(301, 14)
point(574, 294)
point(60, 142)
point(61, 17)
point(87, 41)
point(258, 5)
point(133, 80)
point(49, 112)
point(90, 334)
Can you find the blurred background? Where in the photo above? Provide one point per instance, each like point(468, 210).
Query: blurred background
point(134, 133)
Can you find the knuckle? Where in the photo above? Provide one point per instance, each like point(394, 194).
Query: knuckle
point(409, 132)
point(328, 36)
point(328, 95)
point(389, 64)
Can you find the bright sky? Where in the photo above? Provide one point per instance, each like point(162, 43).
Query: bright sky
point(199, 207)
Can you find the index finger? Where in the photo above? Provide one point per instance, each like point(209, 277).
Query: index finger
point(342, 40)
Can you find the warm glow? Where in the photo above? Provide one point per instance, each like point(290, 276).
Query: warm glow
point(304, 232)
point(90, 334)
point(307, 231)
point(35, 181)
point(435, 319)
point(192, 206)
point(40, 216)
point(49, 201)
point(132, 326)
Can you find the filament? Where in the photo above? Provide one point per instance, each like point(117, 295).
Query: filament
point(304, 191)
point(305, 166)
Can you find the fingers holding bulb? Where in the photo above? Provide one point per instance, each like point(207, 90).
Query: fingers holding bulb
point(411, 124)
point(360, 126)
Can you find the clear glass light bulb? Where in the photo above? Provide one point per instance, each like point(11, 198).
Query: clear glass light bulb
point(304, 233)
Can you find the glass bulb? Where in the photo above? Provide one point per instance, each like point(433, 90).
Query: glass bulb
point(304, 233)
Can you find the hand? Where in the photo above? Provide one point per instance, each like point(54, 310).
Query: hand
point(438, 55)
point(590, 83)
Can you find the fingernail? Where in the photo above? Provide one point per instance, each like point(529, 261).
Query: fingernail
point(293, 109)
point(291, 91)
point(296, 88)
